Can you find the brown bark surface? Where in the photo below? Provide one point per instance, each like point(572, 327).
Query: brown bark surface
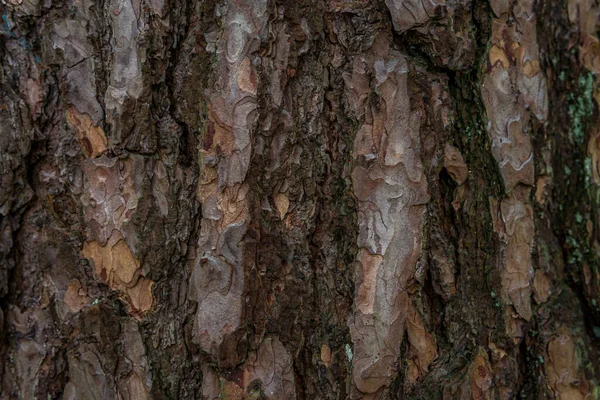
point(324, 199)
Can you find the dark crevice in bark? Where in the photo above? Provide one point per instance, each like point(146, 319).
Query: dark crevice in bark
point(526, 372)
point(299, 269)
point(181, 15)
point(102, 54)
point(570, 133)
point(474, 229)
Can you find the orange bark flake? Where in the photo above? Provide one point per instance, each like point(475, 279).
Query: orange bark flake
point(91, 137)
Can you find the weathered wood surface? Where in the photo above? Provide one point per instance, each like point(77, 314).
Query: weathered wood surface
point(299, 200)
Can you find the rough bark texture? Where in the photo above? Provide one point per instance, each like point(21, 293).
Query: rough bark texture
point(324, 199)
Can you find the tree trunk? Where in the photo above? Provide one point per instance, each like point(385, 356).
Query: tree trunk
point(333, 199)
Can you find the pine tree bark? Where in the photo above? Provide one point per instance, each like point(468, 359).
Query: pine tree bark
point(334, 199)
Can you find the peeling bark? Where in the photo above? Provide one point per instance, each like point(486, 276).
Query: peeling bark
point(293, 200)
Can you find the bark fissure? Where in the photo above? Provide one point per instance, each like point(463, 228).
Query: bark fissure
point(291, 200)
